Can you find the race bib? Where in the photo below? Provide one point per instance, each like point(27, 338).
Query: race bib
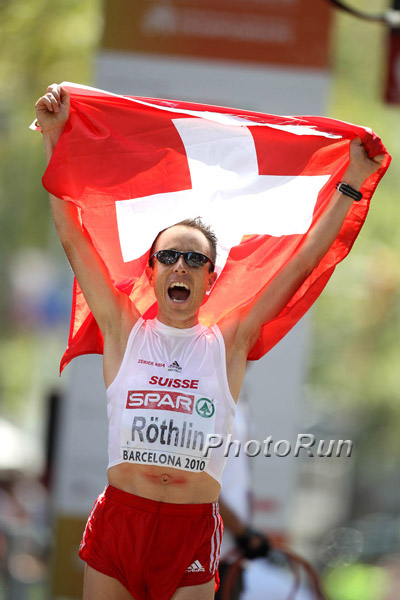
point(167, 428)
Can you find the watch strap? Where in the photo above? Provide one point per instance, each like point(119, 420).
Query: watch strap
point(347, 190)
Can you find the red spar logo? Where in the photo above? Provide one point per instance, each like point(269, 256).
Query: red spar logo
point(174, 401)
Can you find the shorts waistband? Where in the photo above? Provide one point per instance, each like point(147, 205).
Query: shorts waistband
point(164, 508)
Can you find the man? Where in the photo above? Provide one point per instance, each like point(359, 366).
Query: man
point(235, 508)
point(166, 512)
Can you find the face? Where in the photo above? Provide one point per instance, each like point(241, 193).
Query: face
point(180, 289)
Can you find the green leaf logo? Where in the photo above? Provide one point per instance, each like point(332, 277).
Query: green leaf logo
point(205, 408)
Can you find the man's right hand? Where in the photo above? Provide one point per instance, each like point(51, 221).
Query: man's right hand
point(52, 110)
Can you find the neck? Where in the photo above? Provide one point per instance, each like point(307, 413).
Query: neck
point(182, 323)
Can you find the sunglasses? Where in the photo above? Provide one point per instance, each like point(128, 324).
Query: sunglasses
point(193, 259)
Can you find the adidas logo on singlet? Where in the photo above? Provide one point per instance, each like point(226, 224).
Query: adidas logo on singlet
point(195, 567)
point(175, 366)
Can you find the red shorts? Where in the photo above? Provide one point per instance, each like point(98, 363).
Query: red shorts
point(152, 547)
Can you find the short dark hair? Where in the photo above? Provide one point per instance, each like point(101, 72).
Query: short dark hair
point(196, 223)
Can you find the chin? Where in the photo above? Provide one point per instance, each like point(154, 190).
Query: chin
point(183, 311)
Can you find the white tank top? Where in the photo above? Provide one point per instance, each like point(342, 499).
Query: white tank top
point(170, 395)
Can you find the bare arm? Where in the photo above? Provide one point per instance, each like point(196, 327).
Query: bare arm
point(230, 519)
point(252, 543)
point(241, 330)
point(114, 312)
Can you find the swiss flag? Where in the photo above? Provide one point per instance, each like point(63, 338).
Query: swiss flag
point(136, 165)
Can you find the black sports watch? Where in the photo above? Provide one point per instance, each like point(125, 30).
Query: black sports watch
point(347, 190)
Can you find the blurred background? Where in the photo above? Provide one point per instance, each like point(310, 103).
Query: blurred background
point(274, 56)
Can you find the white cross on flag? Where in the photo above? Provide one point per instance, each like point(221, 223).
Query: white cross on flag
point(135, 166)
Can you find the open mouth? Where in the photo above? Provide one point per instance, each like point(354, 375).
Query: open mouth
point(178, 291)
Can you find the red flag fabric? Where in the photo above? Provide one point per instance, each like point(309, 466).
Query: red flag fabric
point(134, 166)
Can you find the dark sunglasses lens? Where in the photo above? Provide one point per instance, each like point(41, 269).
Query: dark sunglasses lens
point(195, 259)
point(167, 257)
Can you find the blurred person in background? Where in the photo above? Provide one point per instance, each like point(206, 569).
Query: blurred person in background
point(24, 535)
point(262, 571)
point(235, 504)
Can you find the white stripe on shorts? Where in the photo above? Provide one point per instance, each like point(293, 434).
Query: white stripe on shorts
point(215, 550)
point(83, 542)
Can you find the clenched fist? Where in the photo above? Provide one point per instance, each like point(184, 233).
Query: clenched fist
point(52, 109)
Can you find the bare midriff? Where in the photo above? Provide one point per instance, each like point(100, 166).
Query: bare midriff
point(164, 484)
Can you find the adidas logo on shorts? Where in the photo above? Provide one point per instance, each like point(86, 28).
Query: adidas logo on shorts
point(195, 567)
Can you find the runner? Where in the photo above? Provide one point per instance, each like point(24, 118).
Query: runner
point(155, 532)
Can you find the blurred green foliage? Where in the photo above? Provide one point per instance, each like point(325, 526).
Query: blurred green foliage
point(357, 582)
point(357, 319)
point(354, 372)
point(41, 41)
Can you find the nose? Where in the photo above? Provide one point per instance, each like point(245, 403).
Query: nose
point(180, 266)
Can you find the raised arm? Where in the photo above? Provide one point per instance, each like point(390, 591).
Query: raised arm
point(114, 312)
point(242, 329)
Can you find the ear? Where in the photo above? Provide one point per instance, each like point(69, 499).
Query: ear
point(212, 277)
point(150, 275)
